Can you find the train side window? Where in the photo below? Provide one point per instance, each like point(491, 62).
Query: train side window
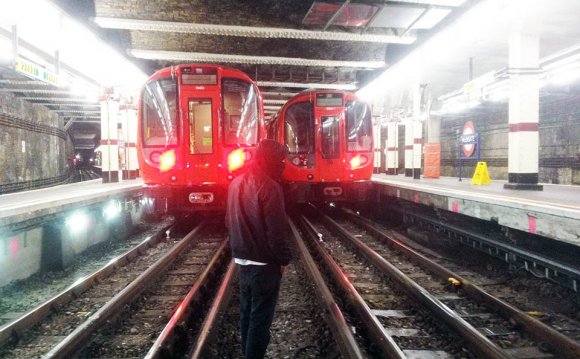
point(330, 137)
point(359, 127)
point(241, 116)
point(299, 128)
point(160, 113)
point(201, 128)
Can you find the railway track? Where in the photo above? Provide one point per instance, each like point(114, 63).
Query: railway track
point(63, 326)
point(466, 316)
point(307, 324)
point(518, 334)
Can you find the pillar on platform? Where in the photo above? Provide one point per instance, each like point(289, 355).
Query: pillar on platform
point(417, 148)
point(129, 130)
point(409, 148)
point(377, 145)
point(392, 148)
point(523, 138)
point(109, 141)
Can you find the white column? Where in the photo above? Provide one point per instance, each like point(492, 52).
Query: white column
point(417, 148)
point(409, 148)
point(392, 148)
point(377, 145)
point(109, 142)
point(523, 138)
point(132, 143)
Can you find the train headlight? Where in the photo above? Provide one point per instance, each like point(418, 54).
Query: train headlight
point(236, 159)
point(167, 161)
point(357, 161)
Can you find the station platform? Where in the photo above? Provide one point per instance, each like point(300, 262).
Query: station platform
point(25, 206)
point(553, 212)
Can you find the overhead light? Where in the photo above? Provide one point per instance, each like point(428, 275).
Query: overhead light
point(471, 26)
point(46, 27)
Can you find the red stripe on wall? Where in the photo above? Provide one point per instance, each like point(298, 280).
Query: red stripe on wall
point(524, 126)
point(392, 148)
point(409, 147)
point(109, 142)
point(418, 140)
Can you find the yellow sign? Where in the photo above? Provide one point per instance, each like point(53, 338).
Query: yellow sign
point(32, 70)
point(481, 176)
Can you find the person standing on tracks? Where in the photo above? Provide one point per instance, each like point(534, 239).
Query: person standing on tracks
point(259, 234)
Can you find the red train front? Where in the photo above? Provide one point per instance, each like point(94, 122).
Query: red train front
point(198, 128)
point(330, 141)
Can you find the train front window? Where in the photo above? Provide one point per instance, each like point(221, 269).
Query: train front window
point(359, 128)
point(200, 126)
point(330, 137)
point(241, 116)
point(299, 131)
point(160, 113)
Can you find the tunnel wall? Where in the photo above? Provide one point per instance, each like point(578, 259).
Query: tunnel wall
point(559, 159)
point(35, 151)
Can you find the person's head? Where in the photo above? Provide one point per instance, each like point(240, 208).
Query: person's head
point(270, 157)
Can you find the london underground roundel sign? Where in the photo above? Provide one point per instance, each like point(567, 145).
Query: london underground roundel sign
point(468, 137)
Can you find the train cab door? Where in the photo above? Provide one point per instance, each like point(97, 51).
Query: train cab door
point(201, 165)
point(329, 113)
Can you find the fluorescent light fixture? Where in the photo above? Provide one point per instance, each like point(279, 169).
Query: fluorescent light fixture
point(77, 222)
point(48, 28)
point(474, 24)
point(112, 210)
point(5, 51)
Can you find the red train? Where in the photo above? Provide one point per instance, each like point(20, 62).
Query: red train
point(329, 135)
point(198, 126)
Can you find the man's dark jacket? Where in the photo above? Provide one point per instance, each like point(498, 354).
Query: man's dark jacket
point(256, 217)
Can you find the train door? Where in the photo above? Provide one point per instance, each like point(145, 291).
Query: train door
point(199, 114)
point(329, 112)
point(299, 136)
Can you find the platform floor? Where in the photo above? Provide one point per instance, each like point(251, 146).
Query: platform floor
point(553, 212)
point(18, 206)
point(563, 196)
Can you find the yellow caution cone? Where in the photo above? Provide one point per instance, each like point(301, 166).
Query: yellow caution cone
point(481, 176)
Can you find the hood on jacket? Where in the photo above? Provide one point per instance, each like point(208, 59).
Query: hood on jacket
point(270, 156)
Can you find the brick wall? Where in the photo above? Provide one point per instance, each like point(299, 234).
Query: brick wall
point(33, 146)
point(559, 141)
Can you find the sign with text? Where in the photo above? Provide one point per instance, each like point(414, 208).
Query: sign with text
point(34, 71)
point(467, 139)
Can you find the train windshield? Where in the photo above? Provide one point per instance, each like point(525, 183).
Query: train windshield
point(241, 115)
point(200, 126)
point(330, 137)
point(299, 130)
point(160, 113)
point(358, 127)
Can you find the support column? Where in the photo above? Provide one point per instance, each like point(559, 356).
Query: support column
point(523, 140)
point(109, 143)
point(417, 148)
point(132, 143)
point(392, 148)
point(408, 148)
point(377, 126)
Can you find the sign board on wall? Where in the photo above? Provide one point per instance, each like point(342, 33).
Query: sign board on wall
point(467, 139)
point(30, 69)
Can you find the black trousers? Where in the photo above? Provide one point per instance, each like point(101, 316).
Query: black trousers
point(259, 286)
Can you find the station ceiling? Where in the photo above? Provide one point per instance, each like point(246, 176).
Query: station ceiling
point(291, 45)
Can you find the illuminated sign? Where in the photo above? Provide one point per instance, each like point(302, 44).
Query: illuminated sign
point(467, 139)
point(36, 72)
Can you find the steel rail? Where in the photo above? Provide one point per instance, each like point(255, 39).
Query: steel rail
point(76, 340)
point(163, 346)
point(507, 253)
point(558, 341)
point(477, 342)
point(218, 306)
point(333, 315)
point(33, 316)
point(385, 344)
